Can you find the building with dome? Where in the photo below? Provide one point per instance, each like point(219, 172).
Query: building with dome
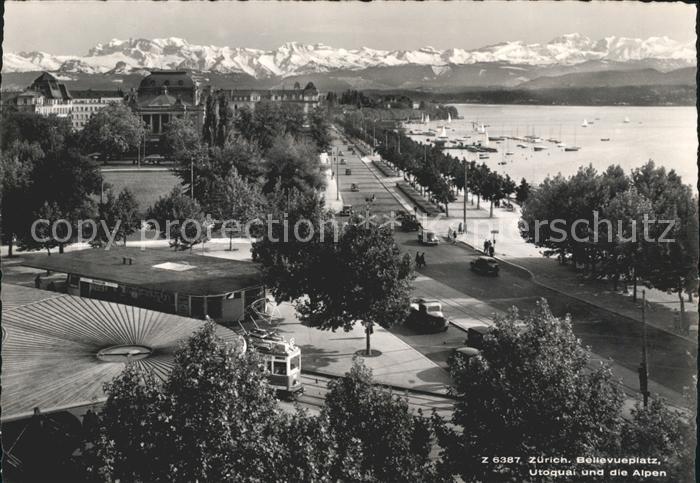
point(163, 96)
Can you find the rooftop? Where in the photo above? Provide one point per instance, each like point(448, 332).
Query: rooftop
point(96, 94)
point(58, 350)
point(159, 269)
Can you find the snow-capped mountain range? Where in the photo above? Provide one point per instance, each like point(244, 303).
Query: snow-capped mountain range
point(292, 58)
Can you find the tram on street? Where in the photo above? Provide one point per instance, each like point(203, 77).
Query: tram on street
point(282, 358)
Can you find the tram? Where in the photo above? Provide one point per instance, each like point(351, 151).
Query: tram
point(282, 360)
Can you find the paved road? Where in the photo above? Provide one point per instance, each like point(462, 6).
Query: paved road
point(608, 335)
point(363, 177)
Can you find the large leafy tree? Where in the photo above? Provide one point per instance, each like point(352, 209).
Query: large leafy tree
point(531, 369)
point(319, 128)
point(118, 217)
point(628, 248)
point(294, 164)
point(180, 139)
point(179, 218)
point(212, 419)
point(657, 429)
point(44, 176)
point(522, 192)
point(52, 133)
point(674, 266)
point(336, 279)
point(16, 165)
point(237, 204)
point(268, 121)
point(114, 130)
point(375, 428)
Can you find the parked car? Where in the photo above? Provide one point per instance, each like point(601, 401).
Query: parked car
point(464, 353)
point(348, 172)
point(342, 160)
point(475, 335)
point(427, 316)
point(409, 223)
point(346, 211)
point(354, 187)
point(484, 266)
point(153, 159)
point(427, 237)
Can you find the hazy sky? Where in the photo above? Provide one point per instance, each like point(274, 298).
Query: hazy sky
point(62, 27)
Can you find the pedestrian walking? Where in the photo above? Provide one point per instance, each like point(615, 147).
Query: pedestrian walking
point(422, 259)
point(461, 228)
point(491, 250)
point(454, 237)
point(486, 246)
point(417, 259)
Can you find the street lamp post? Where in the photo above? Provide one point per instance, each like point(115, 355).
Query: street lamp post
point(337, 178)
point(644, 367)
point(464, 220)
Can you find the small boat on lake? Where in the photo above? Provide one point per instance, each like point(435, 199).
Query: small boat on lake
point(627, 120)
point(584, 123)
point(605, 139)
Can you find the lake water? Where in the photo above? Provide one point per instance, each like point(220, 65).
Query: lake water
point(665, 134)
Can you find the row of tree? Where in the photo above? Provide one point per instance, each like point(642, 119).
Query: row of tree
point(227, 170)
point(636, 228)
point(214, 419)
point(46, 174)
point(266, 154)
point(430, 168)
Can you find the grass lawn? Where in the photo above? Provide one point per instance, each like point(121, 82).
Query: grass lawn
point(147, 186)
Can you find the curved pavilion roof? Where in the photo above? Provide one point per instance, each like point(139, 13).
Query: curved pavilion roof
point(50, 343)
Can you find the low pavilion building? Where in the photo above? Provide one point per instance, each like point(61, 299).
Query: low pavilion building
point(176, 282)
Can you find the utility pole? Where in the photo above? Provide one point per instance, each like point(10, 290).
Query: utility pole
point(643, 367)
point(192, 178)
point(398, 136)
point(465, 197)
point(337, 178)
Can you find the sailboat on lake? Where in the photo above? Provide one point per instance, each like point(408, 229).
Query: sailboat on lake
point(573, 147)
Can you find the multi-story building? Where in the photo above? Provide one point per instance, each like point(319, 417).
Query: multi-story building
point(47, 96)
point(308, 97)
point(165, 95)
point(87, 103)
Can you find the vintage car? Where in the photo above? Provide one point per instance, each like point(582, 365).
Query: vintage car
point(426, 316)
point(462, 353)
point(476, 334)
point(409, 222)
point(427, 237)
point(346, 211)
point(484, 266)
point(354, 187)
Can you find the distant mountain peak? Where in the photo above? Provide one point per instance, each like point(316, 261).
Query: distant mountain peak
point(294, 58)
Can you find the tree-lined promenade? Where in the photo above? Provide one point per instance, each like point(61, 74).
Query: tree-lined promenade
point(639, 228)
point(214, 419)
point(435, 173)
